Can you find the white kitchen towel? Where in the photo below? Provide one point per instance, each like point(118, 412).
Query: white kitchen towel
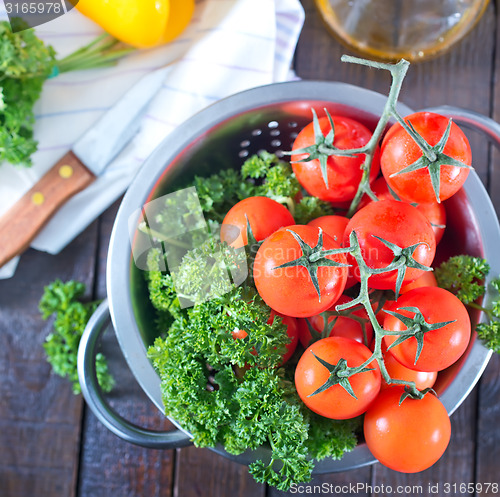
point(229, 46)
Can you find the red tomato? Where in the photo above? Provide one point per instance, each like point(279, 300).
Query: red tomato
point(399, 151)
point(441, 347)
point(290, 290)
point(331, 225)
point(335, 402)
point(304, 333)
point(343, 173)
point(380, 312)
point(409, 437)
point(239, 334)
point(344, 326)
point(292, 331)
point(436, 215)
point(264, 214)
point(427, 279)
point(422, 379)
point(398, 223)
point(434, 212)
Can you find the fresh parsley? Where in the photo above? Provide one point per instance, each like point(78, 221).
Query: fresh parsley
point(63, 300)
point(25, 64)
point(464, 276)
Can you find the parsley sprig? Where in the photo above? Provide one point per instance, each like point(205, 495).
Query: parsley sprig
point(63, 300)
point(465, 276)
point(262, 174)
point(26, 62)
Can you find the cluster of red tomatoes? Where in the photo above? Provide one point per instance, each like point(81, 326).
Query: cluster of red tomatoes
point(373, 355)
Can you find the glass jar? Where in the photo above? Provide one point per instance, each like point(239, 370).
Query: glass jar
point(395, 29)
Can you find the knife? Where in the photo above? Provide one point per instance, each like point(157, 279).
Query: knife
point(78, 168)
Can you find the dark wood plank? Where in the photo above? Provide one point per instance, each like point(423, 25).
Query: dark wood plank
point(201, 472)
point(494, 170)
point(110, 466)
point(355, 482)
point(488, 432)
point(488, 412)
point(40, 417)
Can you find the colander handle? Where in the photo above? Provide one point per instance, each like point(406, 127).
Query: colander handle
point(471, 119)
point(92, 393)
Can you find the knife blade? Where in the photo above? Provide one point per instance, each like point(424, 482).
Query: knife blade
point(78, 168)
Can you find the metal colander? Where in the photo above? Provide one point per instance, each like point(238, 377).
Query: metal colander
point(222, 136)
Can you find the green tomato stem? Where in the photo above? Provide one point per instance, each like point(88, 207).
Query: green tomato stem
point(398, 72)
point(379, 332)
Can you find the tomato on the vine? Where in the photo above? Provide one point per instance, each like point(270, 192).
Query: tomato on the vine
point(343, 173)
point(333, 225)
point(427, 279)
point(427, 180)
point(433, 211)
point(397, 223)
point(355, 327)
point(407, 437)
point(264, 215)
point(440, 347)
point(422, 379)
point(336, 402)
point(287, 278)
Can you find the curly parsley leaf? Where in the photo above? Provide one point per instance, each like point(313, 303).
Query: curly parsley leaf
point(464, 276)
point(71, 317)
point(324, 431)
point(208, 271)
point(25, 64)
point(266, 175)
point(490, 334)
point(262, 174)
point(161, 288)
point(218, 192)
point(310, 208)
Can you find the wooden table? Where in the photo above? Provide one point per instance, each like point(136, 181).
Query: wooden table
point(51, 445)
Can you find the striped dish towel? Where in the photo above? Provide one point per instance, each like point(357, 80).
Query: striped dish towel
point(229, 46)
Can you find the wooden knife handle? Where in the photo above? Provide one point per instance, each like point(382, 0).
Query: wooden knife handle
point(24, 220)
